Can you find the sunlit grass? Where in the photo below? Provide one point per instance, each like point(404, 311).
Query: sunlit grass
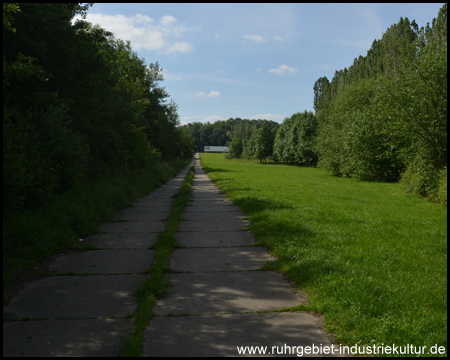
point(373, 260)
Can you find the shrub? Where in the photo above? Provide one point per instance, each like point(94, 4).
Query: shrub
point(442, 188)
point(422, 179)
point(236, 148)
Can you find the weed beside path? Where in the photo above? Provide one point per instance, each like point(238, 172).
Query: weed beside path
point(157, 285)
point(373, 260)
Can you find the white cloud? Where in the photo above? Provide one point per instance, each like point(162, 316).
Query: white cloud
point(138, 18)
point(201, 118)
point(213, 118)
point(277, 38)
point(210, 95)
point(172, 77)
point(283, 69)
point(182, 47)
point(144, 33)
point(255, 38)
point(167, 20)
point(268, 116)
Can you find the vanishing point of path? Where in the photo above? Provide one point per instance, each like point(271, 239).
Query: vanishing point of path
point(218, 298)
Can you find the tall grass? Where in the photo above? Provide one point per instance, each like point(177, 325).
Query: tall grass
point(373, 260)
point(31, 236)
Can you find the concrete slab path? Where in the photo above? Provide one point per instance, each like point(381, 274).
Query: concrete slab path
point(219, 298)
point(86, 308)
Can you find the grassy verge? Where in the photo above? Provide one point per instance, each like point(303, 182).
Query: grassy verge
point(373, 260)
point(157, 285)
point(32, 236)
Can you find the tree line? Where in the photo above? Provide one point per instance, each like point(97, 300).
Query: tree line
point(260, 139)
point(223, 132)
point(382, 119)
point(77, 103)
point(385, 117)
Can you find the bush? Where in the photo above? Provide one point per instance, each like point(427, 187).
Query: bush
point(442, 188)
point(42, 156)
point(422, 179)
point(236, 148)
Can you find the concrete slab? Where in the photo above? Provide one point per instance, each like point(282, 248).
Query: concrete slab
point(51, 338)
point(151, 203)
point(218, 259)
point(122, 241)
point(209, 197)
point(133, 227)
point(104, 262)
point(220, 335)
point(143, 209)
point(210, 202)
point(70, 297)
point(215, 239)
point(161, 193)
point(203, 184)
point(206, 189)
point(220, 225)
point(195, 207)
point(143, 216)
point(233, 292)
point(214, 215)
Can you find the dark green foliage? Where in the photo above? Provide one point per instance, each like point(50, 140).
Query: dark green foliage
point(295, 139)
point(236, 148)
point(262, 143)
point(442, 187)
point(41, 156)
point(352, 141)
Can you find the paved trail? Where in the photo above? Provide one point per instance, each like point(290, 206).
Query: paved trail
point(88, 313)
point(214, 302)
point(216, 295)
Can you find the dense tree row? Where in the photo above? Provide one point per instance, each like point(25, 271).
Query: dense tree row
point(295, 140)
point(76, 102)
point(222, 132)
point(385, 118)
point(292, 141)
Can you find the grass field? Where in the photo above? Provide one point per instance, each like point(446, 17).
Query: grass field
point(373, 260)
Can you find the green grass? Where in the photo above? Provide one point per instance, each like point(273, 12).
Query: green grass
point(373, 260)
point(158, 283)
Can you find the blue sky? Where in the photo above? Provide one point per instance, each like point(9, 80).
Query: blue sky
point(254, 61)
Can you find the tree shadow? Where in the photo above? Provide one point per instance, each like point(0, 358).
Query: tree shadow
point(208, 169)
point(298, 253)
point(250, 204)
